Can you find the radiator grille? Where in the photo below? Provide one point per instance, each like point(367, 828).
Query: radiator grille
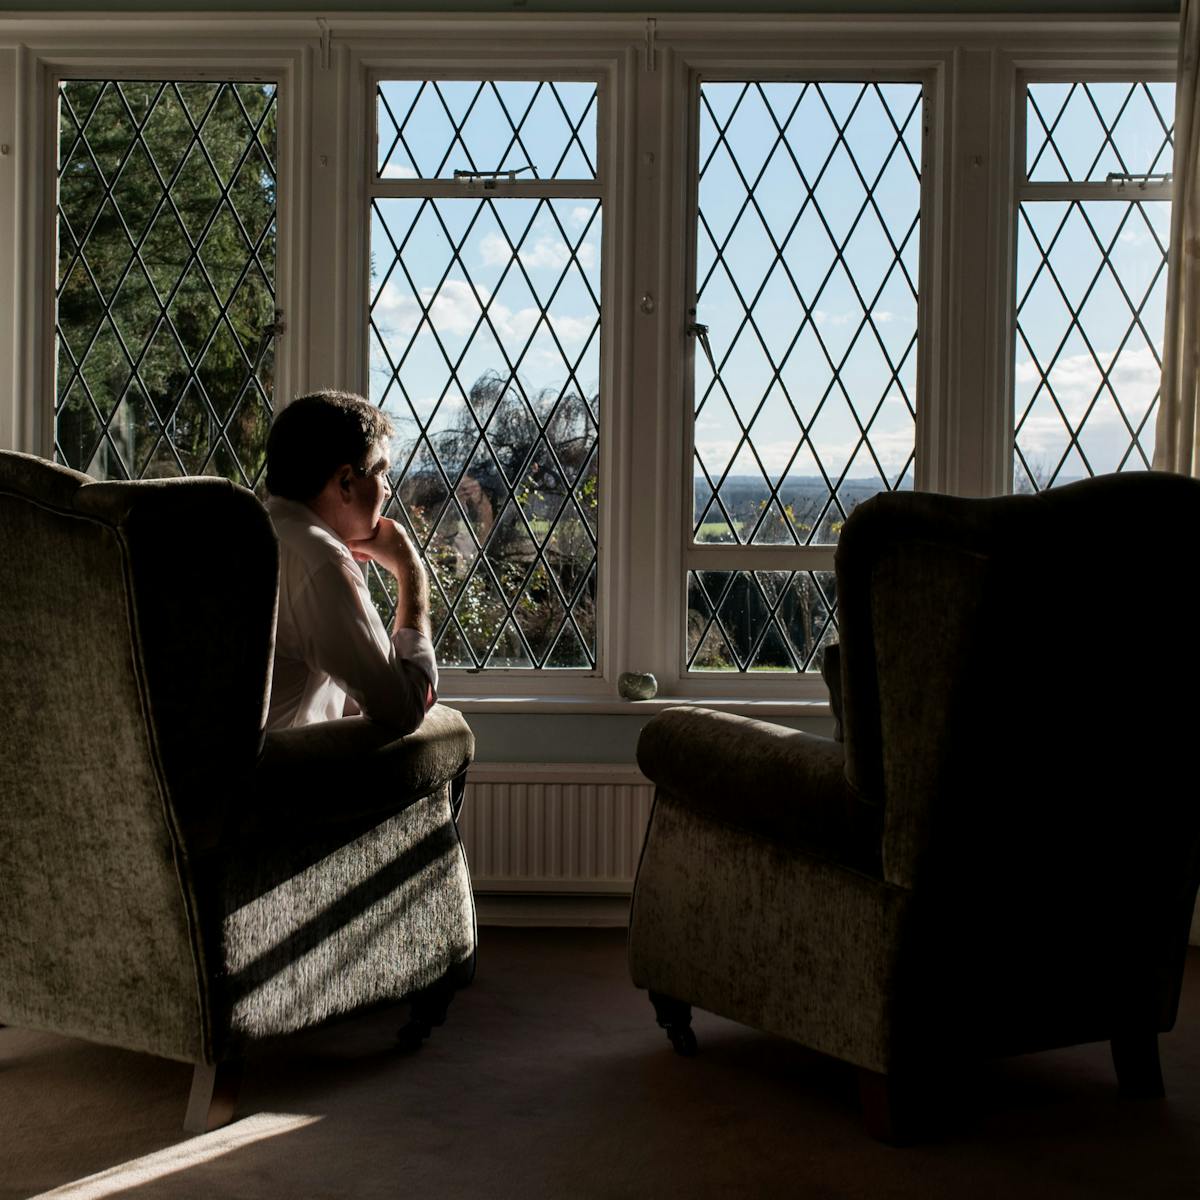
point(577, 829)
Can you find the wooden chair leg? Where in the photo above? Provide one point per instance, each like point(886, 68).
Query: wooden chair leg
point(888, 1108)
point(427, 1011)
point(1139, 1072)
point(213, 1096)
point(675, 1016)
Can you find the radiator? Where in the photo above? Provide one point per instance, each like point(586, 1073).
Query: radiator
point(568, 829)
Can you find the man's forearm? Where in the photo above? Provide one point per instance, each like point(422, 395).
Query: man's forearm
point(412, 601)
point(394, 551)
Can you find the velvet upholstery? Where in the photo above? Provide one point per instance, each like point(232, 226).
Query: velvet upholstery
point(1003, 855)
point(173, 881)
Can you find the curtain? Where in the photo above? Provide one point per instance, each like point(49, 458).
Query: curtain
point(1177, 436)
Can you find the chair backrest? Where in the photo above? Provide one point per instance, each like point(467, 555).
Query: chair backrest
point(1019, 682)
point(136, 632)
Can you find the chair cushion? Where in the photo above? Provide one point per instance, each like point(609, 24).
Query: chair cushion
point(776, 782)
point(338, 771)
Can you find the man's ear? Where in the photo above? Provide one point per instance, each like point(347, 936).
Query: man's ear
point(345, 477)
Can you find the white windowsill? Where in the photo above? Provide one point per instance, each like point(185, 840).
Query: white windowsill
point(584, 705)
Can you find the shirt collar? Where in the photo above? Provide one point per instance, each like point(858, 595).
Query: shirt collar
point(296, 510)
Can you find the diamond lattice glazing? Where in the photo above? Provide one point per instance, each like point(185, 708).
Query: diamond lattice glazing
point(1080, 132)
point(166, 267)
point(808, 231)
point(1089, 338)
point(807, 262)
point(1091, 284)
point(760, 620)
point(485, 331)
point(429, 129)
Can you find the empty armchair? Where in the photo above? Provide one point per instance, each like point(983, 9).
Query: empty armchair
point(173, 882)
point(1003, 855)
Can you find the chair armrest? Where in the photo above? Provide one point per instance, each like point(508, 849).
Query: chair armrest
point(342, 770)
point(779, 783)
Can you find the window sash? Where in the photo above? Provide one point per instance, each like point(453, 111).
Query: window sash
point(965, 418)
point(1075, 194)
point(756, 558)
point(521, 681)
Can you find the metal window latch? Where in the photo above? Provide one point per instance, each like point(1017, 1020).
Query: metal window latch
point(700, 333)
point(1141, 178)
point(269, 333)
point(489, 178)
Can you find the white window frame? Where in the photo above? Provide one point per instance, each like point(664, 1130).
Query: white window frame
point(815, 59)
point(371, 64)
point(1023, 190)
point(40, 70)
point(973, 69)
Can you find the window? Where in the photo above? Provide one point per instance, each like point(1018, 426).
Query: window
point(166, 277)
point(807, 238)
point(1093, 227)
point(485, 350)
point(653, 305)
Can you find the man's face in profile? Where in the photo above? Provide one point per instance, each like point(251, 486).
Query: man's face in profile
point(370, 489)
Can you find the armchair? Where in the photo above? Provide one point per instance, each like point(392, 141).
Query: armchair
point(173, 881)
point(1004, 853)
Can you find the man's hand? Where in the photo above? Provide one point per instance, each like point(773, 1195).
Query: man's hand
point(392, 548)
point(389, 546)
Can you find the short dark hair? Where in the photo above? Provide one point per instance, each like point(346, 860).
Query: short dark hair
point(315, 435)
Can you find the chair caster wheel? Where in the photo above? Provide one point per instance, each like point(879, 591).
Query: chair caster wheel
point(412, 1036)
point(682, 1039)
point(428, 1011)
point(675, 1017)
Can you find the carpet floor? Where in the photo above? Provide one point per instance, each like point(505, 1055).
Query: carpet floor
point(551, 1079)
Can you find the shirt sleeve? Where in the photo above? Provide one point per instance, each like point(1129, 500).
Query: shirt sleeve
point(391, 680)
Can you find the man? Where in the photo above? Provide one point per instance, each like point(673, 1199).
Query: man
point(327, 473)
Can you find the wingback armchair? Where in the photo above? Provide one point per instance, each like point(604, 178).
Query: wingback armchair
point(173, 881)
point(1003, 854)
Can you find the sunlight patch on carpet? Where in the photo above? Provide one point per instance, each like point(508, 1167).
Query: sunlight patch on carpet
point(192, 1153)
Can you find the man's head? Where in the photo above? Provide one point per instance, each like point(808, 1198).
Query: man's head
point(329, 450)
point(315, 435)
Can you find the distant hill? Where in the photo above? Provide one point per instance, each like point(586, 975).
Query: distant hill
point(803, 492)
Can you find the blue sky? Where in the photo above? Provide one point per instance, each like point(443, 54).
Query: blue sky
point(557, 242)
point(548, 233)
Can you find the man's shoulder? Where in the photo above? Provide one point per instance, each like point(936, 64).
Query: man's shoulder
point(304, 538)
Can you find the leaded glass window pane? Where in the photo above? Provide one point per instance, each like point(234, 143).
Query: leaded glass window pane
point(808, 241)
point(1091, 282)
point(807, 246)
point(760, 620)
point(485, 351)
point(1080, 132)
point(430, 129)
point(166, 277)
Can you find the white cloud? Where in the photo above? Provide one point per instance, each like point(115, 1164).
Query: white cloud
point(398, 171)
point(891, 448)
point(1075, 380)
point(821, 317)
point(545, 251)
point(714, 453)
point(457, 309)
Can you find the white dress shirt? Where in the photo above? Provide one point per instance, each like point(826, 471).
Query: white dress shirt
point(332, 654)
